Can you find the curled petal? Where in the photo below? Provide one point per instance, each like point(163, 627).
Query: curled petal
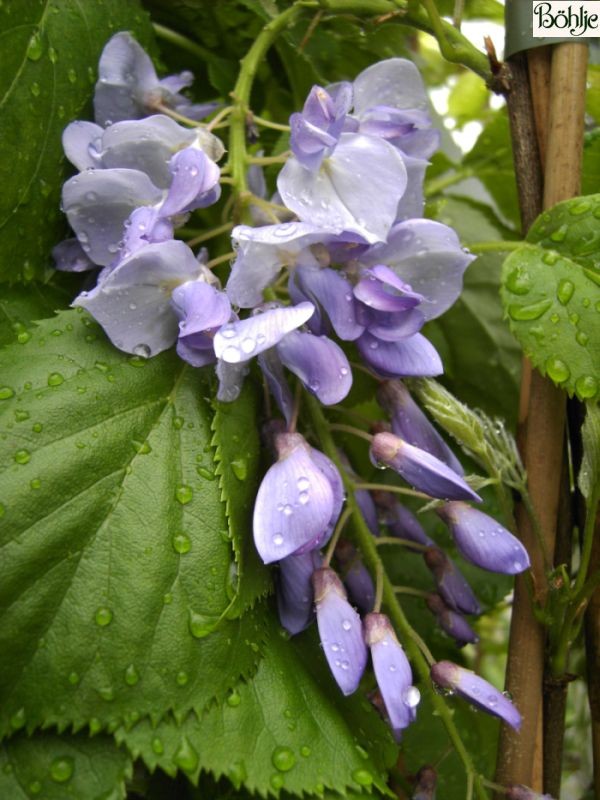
point(231, 379)
point(293, 506)
point(411, 357)
point(201, 310)
point(419, 468)
point(330, 290)
point(78, 140)
point(476, 690)
point(483, 541)
point(320, 364)
point(356, 577)
point(240, 341)
point(295, 596)
point(272, 369)
point(340, 631)
point(380, 288)
point(97, 204)
point(69, 256)
point(132, 302)
point(393, 672)
point(195, 177)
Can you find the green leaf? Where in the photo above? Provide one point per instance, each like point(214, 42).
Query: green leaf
point(550, 295)
point(117, 561)
point(54, 767)
point(48, 66)
point(589, 474)
point(20, 305)
point(468, 98)
point(482, 360)
point(288, 728)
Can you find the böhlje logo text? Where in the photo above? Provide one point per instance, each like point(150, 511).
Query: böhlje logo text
point(565, 19)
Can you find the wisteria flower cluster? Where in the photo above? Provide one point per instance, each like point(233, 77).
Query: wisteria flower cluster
point(355, 267)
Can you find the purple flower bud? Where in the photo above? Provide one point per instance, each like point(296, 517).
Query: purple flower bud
point(451, 622)
point(419, 468)
point(340, 630)
point(402, 522)
point(426, 782)
point(450, 583)
point(476, 690)
point(520, 792)
point(483, 541)
point(393, 673)
point(411, 424)
point(298, 501)
point(315, 132)
point(356, 576)
point(295, 597)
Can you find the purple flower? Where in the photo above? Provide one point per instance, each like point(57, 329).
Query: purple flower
point(69, 256)
point(356, 576)
point(316, 131)
point(298, 501)
point(450, 582)
point(483, 541)
point(450, 621)
point(412, 357)
point(401, 522)
point(392, 671)
point(426, 782)
point(201, 309)
point(419, 468)
point(476, 690)
point(411, 424)
point(128, 87)
point(388, 306)
point(520, 792)
point(340, 631)
point(295, 596)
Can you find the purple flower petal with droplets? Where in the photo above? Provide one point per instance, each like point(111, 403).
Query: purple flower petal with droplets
point(408, 129)
point(320, 364)
point(144, 226)
point(195, 182)
point(295, 596)
point(357, 189)
point(411, 424)
point(428, 256)
point(201, 310)
point(340, 631)
point(415, 356)
point(330, 290)
point(412, 201)
point(394, 82)
point(78, 140)
point(240, 341)
point(391, 327)
point(356, 577)
point(272, 369)
point(381, 289)
point(476, 690)
point(315, 131)
point(419, 468)
point(231, 379)
point(483, 541)
point(69, 256)
point(294, 504)
point(329, 469)
point(97, 204)
point(450, 621)
point(450, 582)
point(309, 143)
point(132, 302)
point(392, 671)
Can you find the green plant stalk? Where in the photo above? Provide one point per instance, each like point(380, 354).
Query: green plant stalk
point(182, 42)
point(238, 154)
point(366, 542)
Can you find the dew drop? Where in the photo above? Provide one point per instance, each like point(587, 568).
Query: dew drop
point(181, 543)
point(22, 456)
point(132, 676)
point(35, 89)
point(305, 751)
point(21, 415)
point(276, 781)
point(61, 769)
point(73, 678)
point(35, 483)
point(234, 699)
point(231, 355)
point(205, 473)
point(518, 281)
point(239, 467)
point(411, 697)
point(182, 678)
point(72, 75)
point(35, 48)
point(248, 345)
point(580, 207)
point(560, 234)
point(586, 386)
point(557, 370)
point(363, 777)
point(184, 494)
point(346, 625)
point(200, 625)
point(52, 55)
point(103, 616)
point(529, 312)
point(35, 787)
point(6, 392)
point(565, 291)
point(303, 484)
point(186, 756)
point(55, 379)
point(277, 540)
point(581, 338)
point(18, 719)
point(283, 758)
point(178, 423)
point(142, 350)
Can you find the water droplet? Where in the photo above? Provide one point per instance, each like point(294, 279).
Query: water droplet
point(142, 350)
point(22, 456)
point(181, 543)
point(73, 678)
point(550, 258)
point(103, 616)
point(363, 777)
point(186, 756)
point(35, 787)
point(586, 386)
point(184, 494)
point(23, 337)
point(52, 55)
point(565, 291)
point(18, 719)
point(21, 415)
point(303, 484)
point(346, 625)
point(557, 370)
point(200, 625)
point(182, 678)
point(55, 379)
point(6, 392)
point(277, 540)
point(579, 207)
point(411, 697)
point(283, 759)
point(231, 355)
point(35, 89)
point(157, 746)
point(518, 281)
point(248, 345)
point(234, 699)
point(240, 468)
point(37, 427)
point(276, 781)
point(35, 48)
point(61, 769)
point(581, 338)
point(72, 75)
point(132, 676)
point(560, 234)
point(35, 483)
point(178, 423)
point(142, 448)
point(305, 751)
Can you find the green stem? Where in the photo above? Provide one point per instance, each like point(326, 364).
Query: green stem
point(493, 247)
point(366, 542)
point(238, 155)
point(588, 541)
point(395, 540)
point(168, 35)
point(386, 487)
point(436, 185)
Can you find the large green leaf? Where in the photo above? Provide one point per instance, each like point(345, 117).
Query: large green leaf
point(288, 728)
point(53, 767)
point(19, 305)
point(551, 298)
point(481, 357)
point(117, 561)
point(48, 61)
